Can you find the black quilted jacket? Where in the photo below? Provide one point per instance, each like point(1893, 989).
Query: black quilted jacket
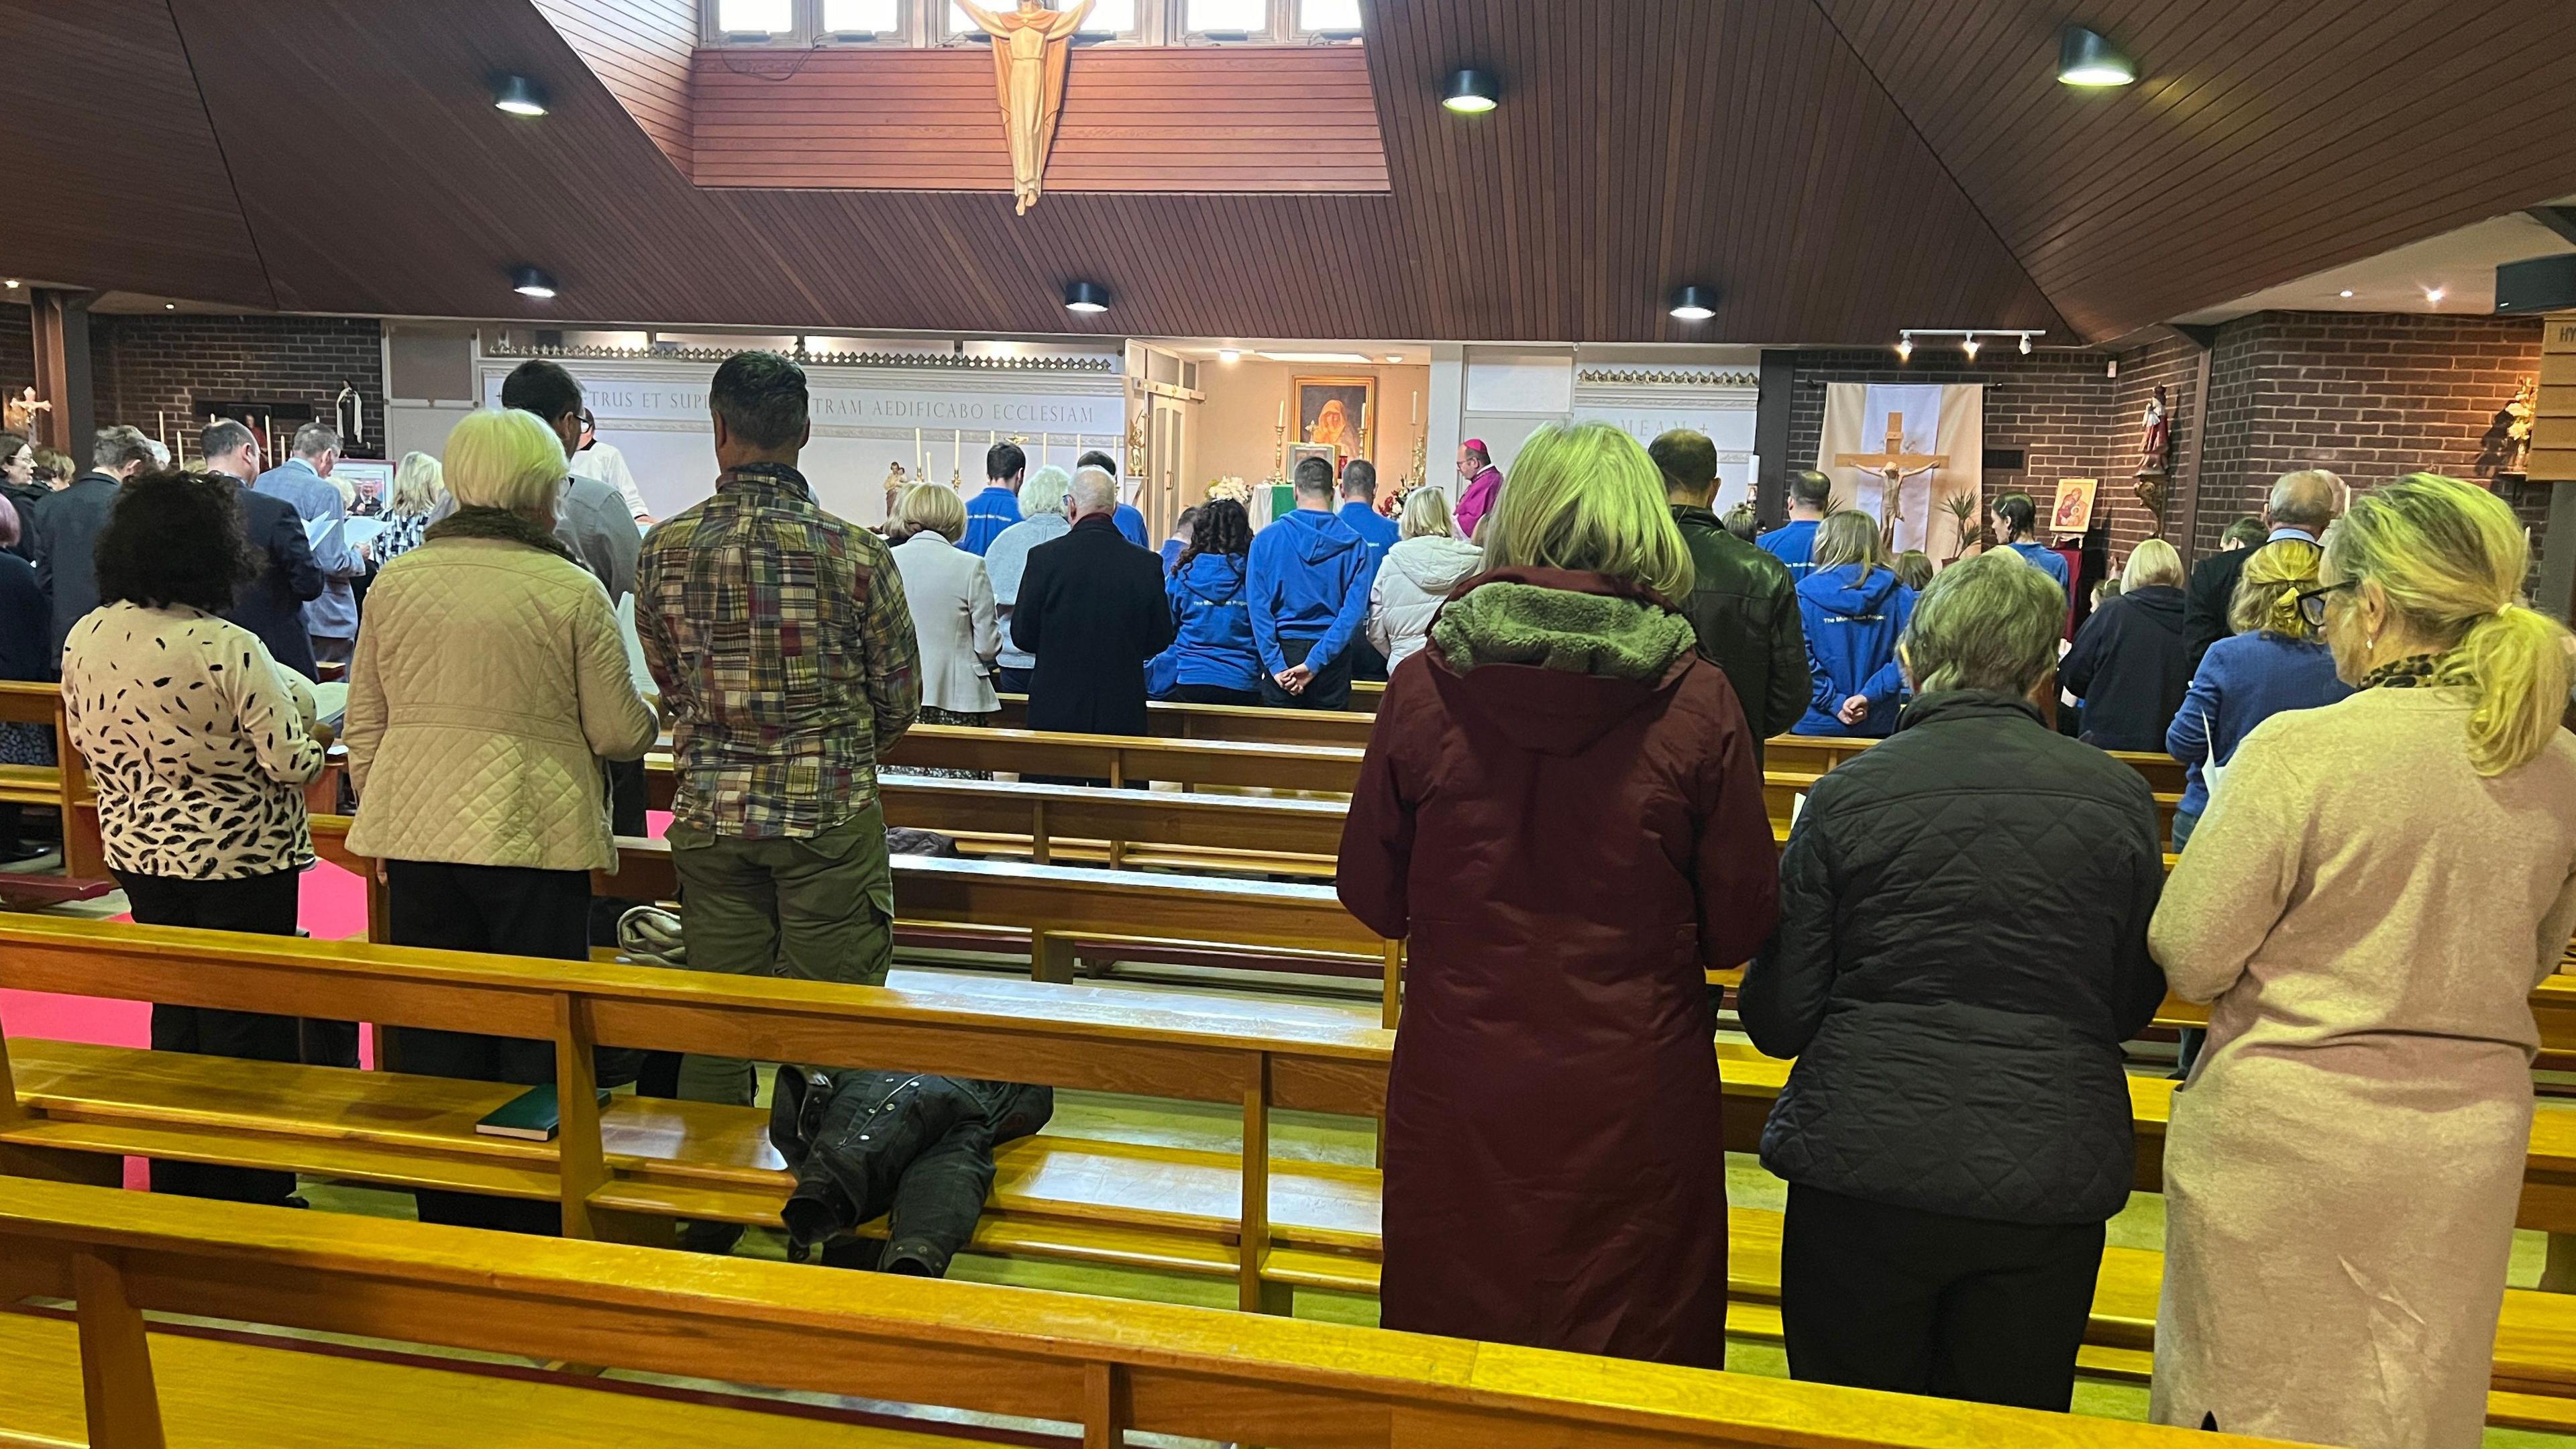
point(1962, 948)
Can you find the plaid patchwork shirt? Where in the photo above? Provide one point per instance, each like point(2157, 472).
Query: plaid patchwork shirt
point(785, 652)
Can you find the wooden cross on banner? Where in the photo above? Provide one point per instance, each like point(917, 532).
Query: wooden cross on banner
point(1895, 465)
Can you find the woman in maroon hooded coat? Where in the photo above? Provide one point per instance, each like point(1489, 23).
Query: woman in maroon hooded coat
point(1561, 808)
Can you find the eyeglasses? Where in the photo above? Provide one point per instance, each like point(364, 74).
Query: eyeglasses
point(2312, 602)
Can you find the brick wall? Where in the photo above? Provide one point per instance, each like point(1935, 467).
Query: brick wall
point(2372, 397)
point(2173, 364)
point(143, 367)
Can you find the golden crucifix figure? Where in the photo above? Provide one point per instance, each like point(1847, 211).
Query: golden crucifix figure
point(1893, 467)
point(1031, 47)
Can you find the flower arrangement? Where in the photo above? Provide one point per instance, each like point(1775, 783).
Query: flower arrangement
point(1234, 488)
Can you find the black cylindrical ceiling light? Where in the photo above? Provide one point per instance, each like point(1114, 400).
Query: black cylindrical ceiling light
point(518, 95)
point(2085, 58)
point(1471, 92)
point(1085, 297)
point(1693, 303)
point(532, 282)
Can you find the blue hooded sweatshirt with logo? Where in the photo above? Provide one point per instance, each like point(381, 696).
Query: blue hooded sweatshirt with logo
point(1853, 621)
point(1310, 580)
point(1212, 642)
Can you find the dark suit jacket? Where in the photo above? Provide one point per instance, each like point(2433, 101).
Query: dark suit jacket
point(272, 605)
point(2205, 601)
point(68, 524)
point(1091, 609)
point(24, 501)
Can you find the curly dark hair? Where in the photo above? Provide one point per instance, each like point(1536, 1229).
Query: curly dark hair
point(1223, 528)
point(175, 539)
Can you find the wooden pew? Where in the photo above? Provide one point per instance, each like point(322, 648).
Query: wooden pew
point(1168, 719)
point(1150, 829)
point(1057, 905)
point(1817, 754)
point(84, 874)
point(1289, 1225)
point(1107, 1368)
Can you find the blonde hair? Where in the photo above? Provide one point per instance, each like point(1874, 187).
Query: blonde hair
point(934, 506)
point(2450, 558)
point(1585, 497)
point(2152, 563)
point(2267, 592)
point(1045, 492)
point(1914, 569)
point(1426, 514)
point(418, 486)
point(504, 458)
point(1850, 537)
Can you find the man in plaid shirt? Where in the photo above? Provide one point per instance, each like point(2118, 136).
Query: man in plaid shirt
point(786, 657)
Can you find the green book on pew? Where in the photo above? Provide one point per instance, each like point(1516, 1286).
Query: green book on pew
point(533, 1115)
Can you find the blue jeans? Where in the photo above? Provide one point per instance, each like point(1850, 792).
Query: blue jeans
point(2184, 823)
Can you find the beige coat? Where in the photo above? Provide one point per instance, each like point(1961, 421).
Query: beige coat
point(2367, 916)
point(953, 620)
point(489, 681)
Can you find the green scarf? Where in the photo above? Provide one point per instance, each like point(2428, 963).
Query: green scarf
point(1595, 634)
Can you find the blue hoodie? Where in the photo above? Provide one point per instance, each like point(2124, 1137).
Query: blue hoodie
point(1212, 644)
point(1131, 524)
point(1374, 528)
point(1793, 544)
point(987, 514)
point(1310, 577)
point(1853, 622)
point(2047, 560)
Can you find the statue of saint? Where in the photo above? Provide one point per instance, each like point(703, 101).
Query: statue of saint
point(2154, 440)
point(1031, 46)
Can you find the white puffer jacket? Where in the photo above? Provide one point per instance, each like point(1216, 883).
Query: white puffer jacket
point(489, 682)
point(1412, 582)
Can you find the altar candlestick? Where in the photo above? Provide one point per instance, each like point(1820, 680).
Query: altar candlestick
point(917, 470)
point(1417, 410)
point(1283, 414)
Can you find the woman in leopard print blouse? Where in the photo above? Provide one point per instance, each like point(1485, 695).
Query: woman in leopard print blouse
point(199, 745)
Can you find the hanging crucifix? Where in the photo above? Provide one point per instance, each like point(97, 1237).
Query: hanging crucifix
point(1894, 466)
point(1031, 46)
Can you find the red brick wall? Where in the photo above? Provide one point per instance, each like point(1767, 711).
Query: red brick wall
point(2370, 396)
point(2174, 364)
point(143, 367)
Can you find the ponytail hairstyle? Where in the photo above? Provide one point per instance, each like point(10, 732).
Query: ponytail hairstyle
point(2450, 557)
point(2019, 514)
point(2267, 592)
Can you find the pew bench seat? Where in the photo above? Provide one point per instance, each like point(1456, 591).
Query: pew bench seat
point(1063, 1198)
point(220, 1389)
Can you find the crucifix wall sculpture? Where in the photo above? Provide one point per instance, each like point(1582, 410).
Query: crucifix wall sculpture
point(1894, 466)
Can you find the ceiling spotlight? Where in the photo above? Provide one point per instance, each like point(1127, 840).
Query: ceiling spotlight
point(1968, 345)
point(1470, 92)
point(1085, 297)
point(2084, 58)
point(518, 95)
point(2346, 292)
point(13, 284)
point(532, 282)
point(1228, 355)
point(1694, 303)
point(169, 306)
point(2435, 294)
point(1395, 357)
point(2025, 344)
point(1905, 347)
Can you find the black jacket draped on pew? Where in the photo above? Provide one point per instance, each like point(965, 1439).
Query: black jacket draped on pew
point(1091, 608)
point(1962, 949)
point(909, 1144)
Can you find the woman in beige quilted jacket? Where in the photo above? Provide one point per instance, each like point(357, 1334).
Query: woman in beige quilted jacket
point(489, 683)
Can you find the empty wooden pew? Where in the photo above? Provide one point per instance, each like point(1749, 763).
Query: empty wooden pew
point(1169, 719)
point(1058, 906)
point(1106, 1369)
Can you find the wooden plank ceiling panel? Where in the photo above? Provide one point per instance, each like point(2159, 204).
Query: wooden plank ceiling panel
point(1837, 168)
point(1275, 118)
point(2263, 142)
point(641, 50)
point(115, 175)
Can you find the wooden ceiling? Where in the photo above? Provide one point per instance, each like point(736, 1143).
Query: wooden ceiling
point(1838, 168)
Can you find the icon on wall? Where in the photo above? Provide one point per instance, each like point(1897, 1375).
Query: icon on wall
point(1339, 413)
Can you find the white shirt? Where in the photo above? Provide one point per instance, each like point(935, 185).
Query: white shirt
point(603, 462)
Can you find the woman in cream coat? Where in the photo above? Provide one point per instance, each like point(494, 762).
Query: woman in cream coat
point(1415, 577)
point(952, 612)
point(488, 684)
point(2367, 907)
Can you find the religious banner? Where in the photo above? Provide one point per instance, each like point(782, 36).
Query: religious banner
point(1900, 451)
